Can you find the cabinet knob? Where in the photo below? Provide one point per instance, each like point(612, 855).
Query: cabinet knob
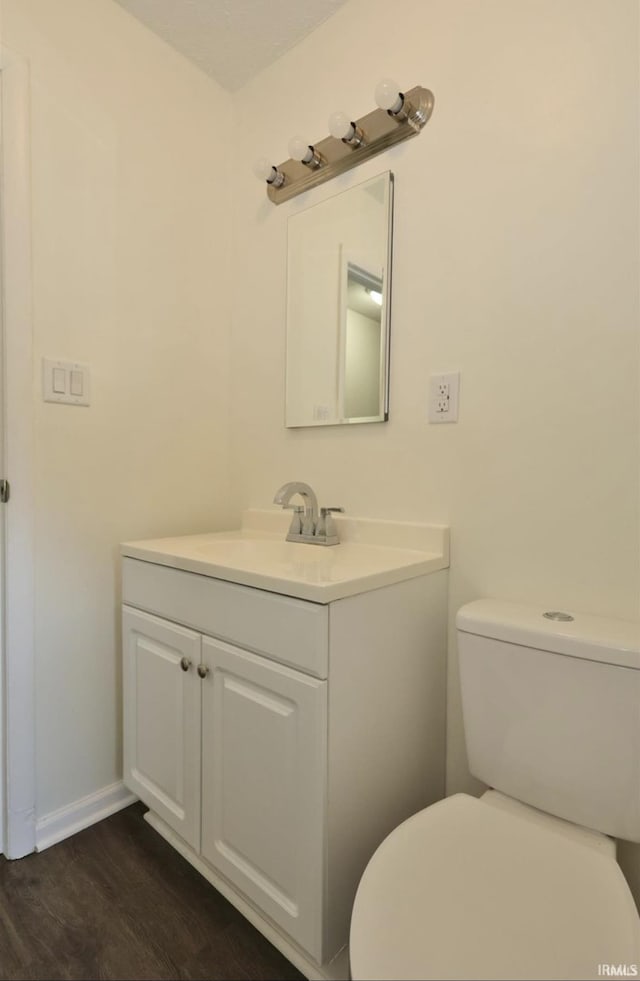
point(203, 670)
point(185, 663)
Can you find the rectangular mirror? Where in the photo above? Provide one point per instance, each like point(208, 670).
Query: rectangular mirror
point(338, 305)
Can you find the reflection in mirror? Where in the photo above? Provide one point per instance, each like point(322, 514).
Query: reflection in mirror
point(361, 385)
point(338, 301)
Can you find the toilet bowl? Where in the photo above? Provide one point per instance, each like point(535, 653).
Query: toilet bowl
point(497, 888)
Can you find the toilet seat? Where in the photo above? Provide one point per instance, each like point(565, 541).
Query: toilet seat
point(467, 890)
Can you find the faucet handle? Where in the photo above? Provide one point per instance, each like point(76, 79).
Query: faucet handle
point(327, 528)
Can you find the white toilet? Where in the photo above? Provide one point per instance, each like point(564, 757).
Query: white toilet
point(497, 887)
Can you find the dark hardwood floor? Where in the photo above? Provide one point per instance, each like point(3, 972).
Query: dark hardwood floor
point(116, 901)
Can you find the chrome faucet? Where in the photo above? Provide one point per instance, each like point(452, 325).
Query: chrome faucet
point(305, 526)
point(307, 494)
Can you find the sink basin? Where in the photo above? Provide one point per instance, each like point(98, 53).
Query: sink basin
point(260, 557)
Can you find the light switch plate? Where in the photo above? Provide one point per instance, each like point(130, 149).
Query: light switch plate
point(57, 378)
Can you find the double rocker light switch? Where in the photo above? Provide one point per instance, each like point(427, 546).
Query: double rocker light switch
point(65, 381)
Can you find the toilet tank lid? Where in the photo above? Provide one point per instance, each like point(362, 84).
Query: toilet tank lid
point(592, 638)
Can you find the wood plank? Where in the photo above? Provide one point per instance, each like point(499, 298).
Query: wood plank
point(116, 901)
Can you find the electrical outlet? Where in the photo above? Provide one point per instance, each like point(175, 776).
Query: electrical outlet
point(443, 397)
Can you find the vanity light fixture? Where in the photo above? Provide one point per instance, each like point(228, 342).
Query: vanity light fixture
point(400, 115)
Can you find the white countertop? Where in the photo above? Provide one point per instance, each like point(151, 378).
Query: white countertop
point(371, 554)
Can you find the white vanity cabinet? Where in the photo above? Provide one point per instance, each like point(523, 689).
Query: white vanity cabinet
point(276, 741)
point(227, 747)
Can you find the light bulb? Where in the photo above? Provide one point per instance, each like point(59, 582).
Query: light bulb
point(299, 149)
point(375, 296)
point(263, 169)
point(387, 95)
point(341, 127)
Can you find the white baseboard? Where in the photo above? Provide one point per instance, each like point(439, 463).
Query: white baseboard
point(80, 814)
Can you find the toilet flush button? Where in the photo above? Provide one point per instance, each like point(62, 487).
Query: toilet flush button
point(557, 615)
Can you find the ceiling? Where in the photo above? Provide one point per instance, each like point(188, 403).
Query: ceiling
point(232, 40)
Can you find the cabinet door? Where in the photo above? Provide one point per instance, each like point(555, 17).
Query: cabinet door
point(162, 719)
point(263, 786)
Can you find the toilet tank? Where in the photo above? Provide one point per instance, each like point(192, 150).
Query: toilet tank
point(551, 711)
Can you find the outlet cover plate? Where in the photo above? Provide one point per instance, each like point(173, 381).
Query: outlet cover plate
point(444, 397)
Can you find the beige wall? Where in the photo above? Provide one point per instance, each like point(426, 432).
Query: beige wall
point(515, 261)
point(130, 275)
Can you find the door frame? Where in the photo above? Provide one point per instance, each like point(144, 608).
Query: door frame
point(18, 695)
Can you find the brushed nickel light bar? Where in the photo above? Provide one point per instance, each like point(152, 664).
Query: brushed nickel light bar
point(399, 116)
